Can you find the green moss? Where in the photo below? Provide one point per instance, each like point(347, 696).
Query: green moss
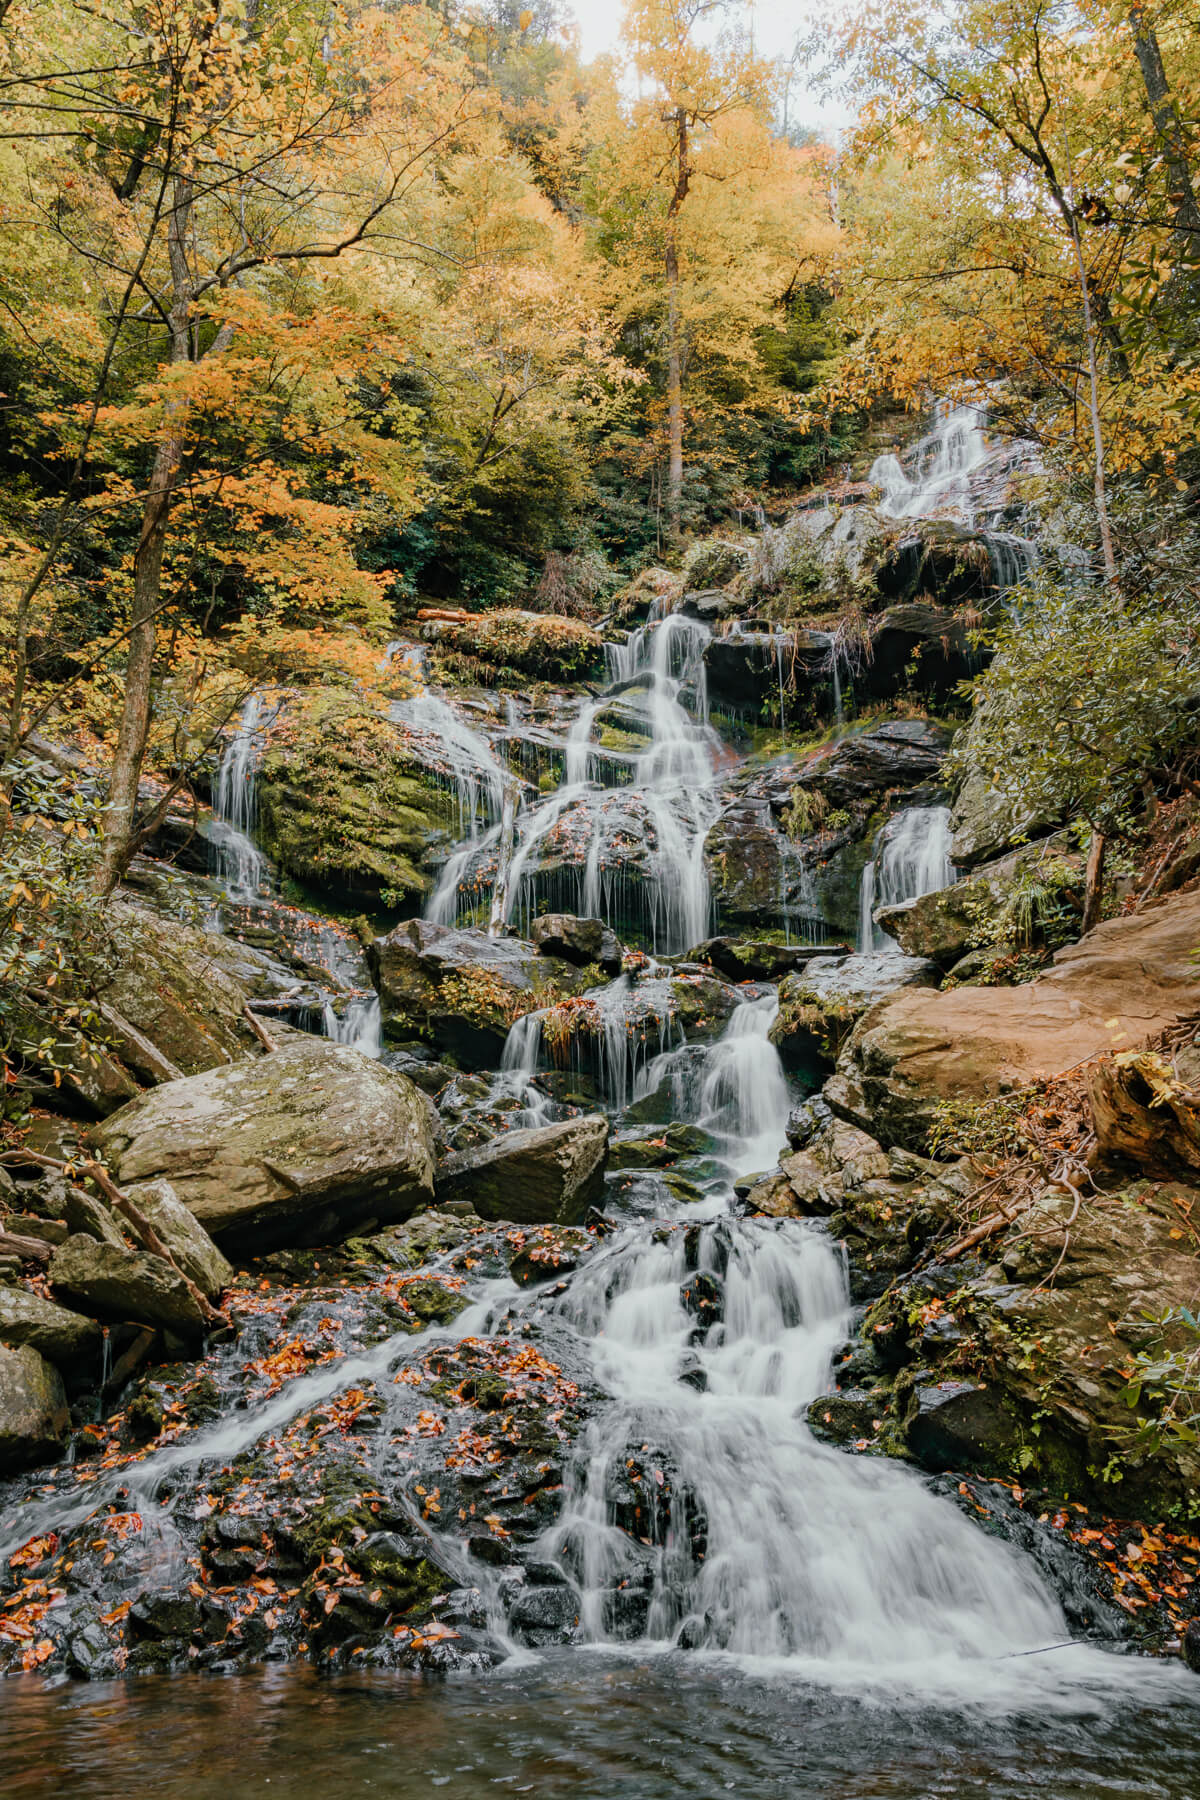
point(341, 803)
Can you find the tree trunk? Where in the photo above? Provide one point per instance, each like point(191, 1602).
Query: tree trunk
point(1167, 125)
point(1098, 476)
point(683, 177)
point(147, 571)
point(674, 391)
point(1093, 893)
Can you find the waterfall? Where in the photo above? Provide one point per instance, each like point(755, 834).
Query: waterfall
point(763, 1542)
point(572, 846)
point(359, 1024)
point(941, 466)
point(239, 866)
point(912, 857)
point(755, 1538)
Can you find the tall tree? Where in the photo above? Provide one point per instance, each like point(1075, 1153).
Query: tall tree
point(227, 153)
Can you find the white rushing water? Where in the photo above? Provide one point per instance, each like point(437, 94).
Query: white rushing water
point(573, 847)
point(240, 865)
point(911, 858)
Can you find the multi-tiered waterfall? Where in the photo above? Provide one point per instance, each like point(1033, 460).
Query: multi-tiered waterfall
point(622, 834)
point(709, 1333)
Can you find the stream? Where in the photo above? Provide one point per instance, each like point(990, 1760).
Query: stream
point(789, 1620)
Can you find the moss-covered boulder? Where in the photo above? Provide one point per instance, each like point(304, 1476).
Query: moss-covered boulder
point(463, 990)
point(508, 644)
point(33, 1409)
point(303, 1146)
point(347, 803)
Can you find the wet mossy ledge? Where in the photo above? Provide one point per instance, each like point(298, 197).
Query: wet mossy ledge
point(345, 806)
point(508, 645)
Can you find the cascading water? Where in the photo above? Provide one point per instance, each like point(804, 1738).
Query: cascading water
point(240, 866)
point(912, 857)
point(940, 467)
point(758, 1540)
point(572, 849)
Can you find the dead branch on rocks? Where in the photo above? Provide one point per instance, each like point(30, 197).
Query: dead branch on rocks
point(137, 1221)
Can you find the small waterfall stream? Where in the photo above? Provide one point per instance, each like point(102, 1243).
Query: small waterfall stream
point(911, 858)
point(240, 865)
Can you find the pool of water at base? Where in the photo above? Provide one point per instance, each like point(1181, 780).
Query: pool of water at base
point(593, 1727)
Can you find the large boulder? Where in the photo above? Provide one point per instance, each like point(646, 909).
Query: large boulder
point(350, 801)
point(120, 1283)
point(1123, 983)
point(33, 1409)
point(575, 940)
point(64, 1338)
point(463, 990)
point(303, 1146)
point(549, 1175)
point(903, 753)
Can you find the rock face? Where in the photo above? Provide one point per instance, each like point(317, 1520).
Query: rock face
point(64, 1338)
point(550, 1175)
point(904, 753)
point(120, 1283)
point(302, 1146)
point(1124, 982)
point(581, 941)
point(33, 1409)
point(462, 990)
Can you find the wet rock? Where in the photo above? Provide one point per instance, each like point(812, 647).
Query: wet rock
point(703, 1297)
point(903, 753)
point(552, 1251)
point(853, 1415)
point(806, 1120)
point(165, 1614)
point(300, 1146)
point(544, 1615)
point(819, 1006)
point(745, 668)
point(935, 641)
point(184, 1236)
point(433, 1301)
point(33, 1409)
point(576, 940)
point(548, 1175)
point(462, 990)
point(760, 960)
point(1190, 1646)
point(959, 1425)
point(120, 1283)
point(66, 1339)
